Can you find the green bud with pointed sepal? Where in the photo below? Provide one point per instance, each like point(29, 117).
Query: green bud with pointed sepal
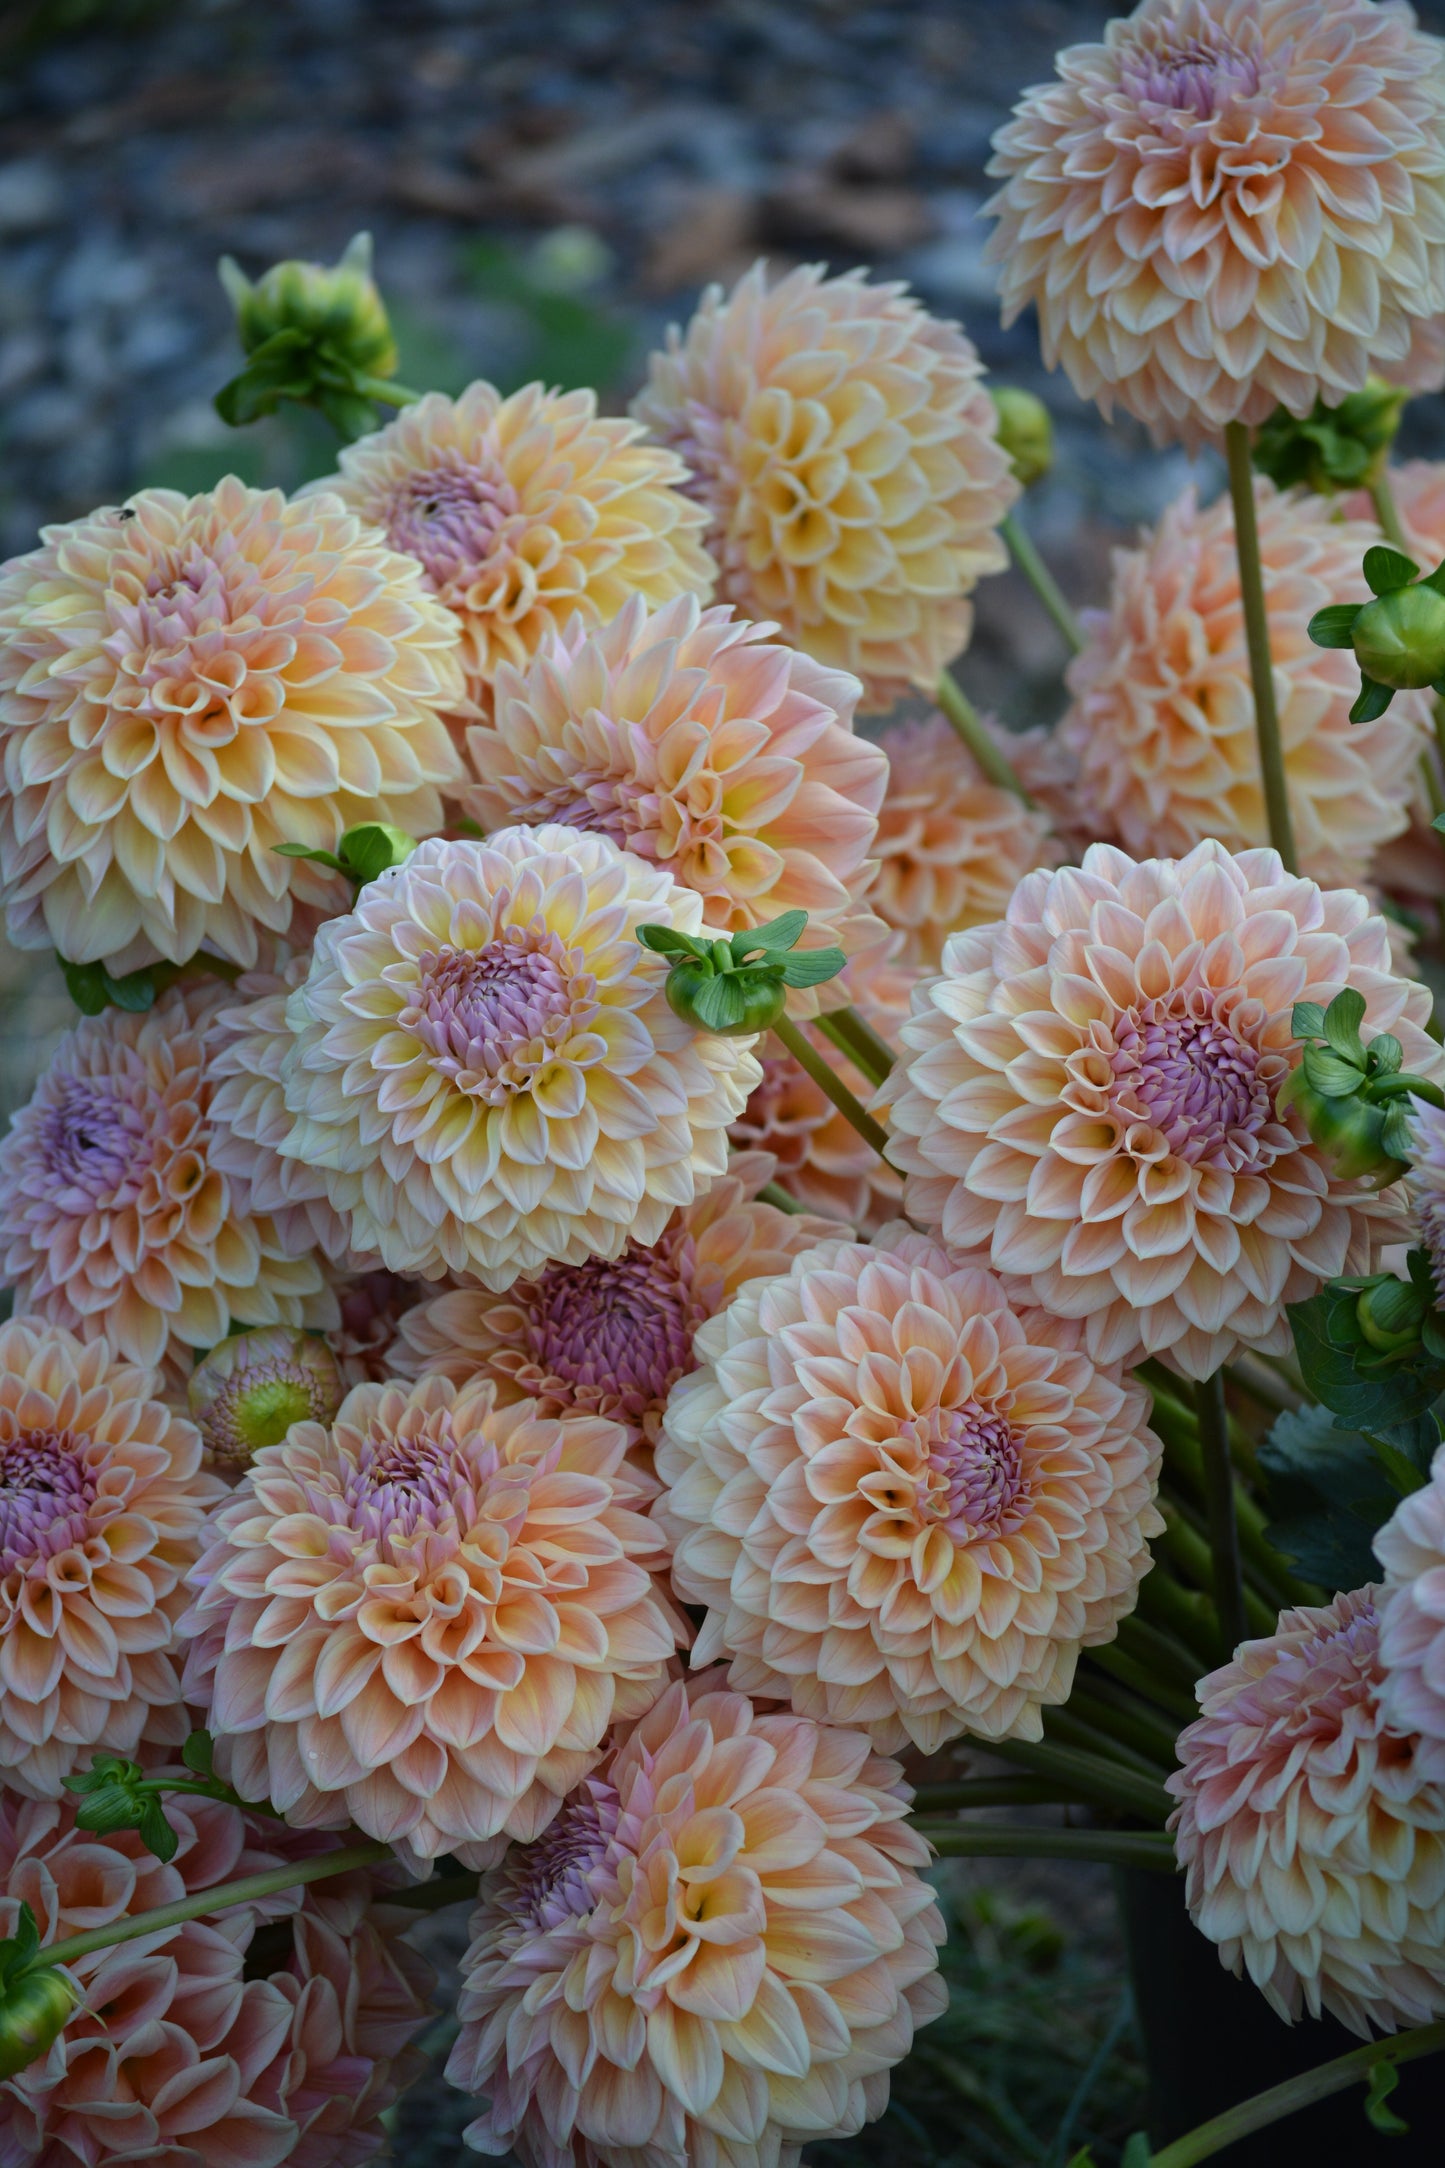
point(36, 2001)
point(1398, 639)
point(1025, 431)
point(314, 334)
point(739, 986)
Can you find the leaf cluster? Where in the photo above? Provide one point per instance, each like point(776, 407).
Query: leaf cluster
point(117, 1794)
point(1335, 447)
point(1387, 572)
point(739, 984)
point(371, 848)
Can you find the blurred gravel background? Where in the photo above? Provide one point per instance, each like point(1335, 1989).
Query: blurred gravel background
point(549, 185)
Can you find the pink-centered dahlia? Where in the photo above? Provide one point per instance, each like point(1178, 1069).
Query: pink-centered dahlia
point(951, 847)
point(907, 1503)
point(188, 682)
point(1228, 205)
point(1089, 1097)
point(273, 2032)
point(101, 1512)
point(425, 1618)
point(248, 1390)
point(1312, 1840)
point(847, 454)
point(741, 1895)
point(114, 1219)
point(1162, 720)
point(692, 738)
point(526, 512)
point(485, 1068)
point(1411, 1549)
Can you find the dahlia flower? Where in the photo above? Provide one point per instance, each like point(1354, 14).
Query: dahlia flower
point(696, 741)
point(906, 1503)
point(1427, 1185)
point(951, 847)
point(484, 1066)
point(525, 512)
point(1162, 721)
point(424, 1619)
point(741, 1894)
point(1228, 205)
point(847, 454)
point(181, 2053)
point(249, 1389)
point(113, 1219)
point(1312, 1841)
point(611, 1336)
point(366, 1341)
point(1411, 1548)
point(188, 682)
point(101, 1512)
point(1089, 1097)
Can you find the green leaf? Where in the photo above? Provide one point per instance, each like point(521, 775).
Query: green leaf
point(136, 991)
point(1397, 1134)
point(721, 1003)
point(19, 1950)
point(304, 850)
point(778, 933)
point(373, 848)
point(1387, 570)
point(811, 967)
point(1386, 1055)
point(1331, 1374)
point(198, 1753)
point(667, 941)
point(1343, 1019)
point(1404, 1476)
point(1307, 1018)
point(156, 1833)
point(1372, 701)
point(1384, 2077)
point(1136, 2153)
point(1335, 626)
point(1331, 1075)
point(1327, 1494)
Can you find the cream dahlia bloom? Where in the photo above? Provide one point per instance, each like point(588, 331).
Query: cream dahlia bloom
point(1089, 1098)
point(1162, 720)
point(1312, 1841)
point(906, 1503)
point(741, 1895)
point(188, 682)
point(848, 457)
point(1411, 1548)
point(1228, 205)
point(484, 1066)
point(101, 1512)
point(695, 740)
point(424, 1619)
point(951, 848)
point(114, 1219)
point(525, 512)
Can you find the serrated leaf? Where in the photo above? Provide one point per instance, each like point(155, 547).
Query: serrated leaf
point(1387, 570)
point(779, 933)
point(1331, 1375)
point(1371, 702)
point(198, 1753)
point(1307, 1018)
point(1335, 626)
point(1343, 1019)
point(721, 1003)
point(811, 967)
point(1403, 1476)
point(1384, 2077)
point(1331, 1075)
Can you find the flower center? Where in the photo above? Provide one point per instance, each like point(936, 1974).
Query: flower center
point(46, 1492)
point(976, 1481)
point(1197, 75)
point(402, 1483)
point(93, 1143)
point(451, 517)
point(490, 1016)
point(550, 1882)
point(620, 1330)
point(1193, 1080)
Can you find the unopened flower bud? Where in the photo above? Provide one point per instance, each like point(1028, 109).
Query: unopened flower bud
point(1389, 1314)
point(1399, 638)
point(34, 2011)
point(1025, 432)
point(735, 1003)
point(335, 304)
point(251, 1388)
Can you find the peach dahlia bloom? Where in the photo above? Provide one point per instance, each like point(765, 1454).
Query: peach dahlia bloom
point(525, 512)
point(185, 684)
point(907, 1503)
point(705, 746)
point(424, 1619)
point(484, 1066)
point(114, 1219)
point(1162, 720)
point(1411, 1548)
point(847, 453)
point(741, 1895)
point(101, 1511)
point(1228, 205)
point(1312, 1841)
point(181, 2054)
point(1088, 1097)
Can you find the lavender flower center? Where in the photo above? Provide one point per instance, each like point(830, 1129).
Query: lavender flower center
point(451, 518)
point(489, 1016)
point(93, 1143)
point(551, 1880)
point(976, 1476)
point(622, 1330)
point(400, 1484)
point(1192, 1079)
point(1197, 75)
point(46, 1492)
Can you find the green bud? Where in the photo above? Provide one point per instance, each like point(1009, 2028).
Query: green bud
point(734, 1003)
point(1389, 1314)
point(372, 848)
point(1025, 432)
point(335, 305)
point(1350, 1133)
point(1334, 447)
point(35, 2008)
point(1399, 639)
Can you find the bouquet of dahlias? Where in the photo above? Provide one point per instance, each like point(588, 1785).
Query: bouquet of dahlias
point(638, 1311)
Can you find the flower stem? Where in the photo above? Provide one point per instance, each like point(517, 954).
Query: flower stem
point(967, 721)
point(1096, 1729)
point(1146, 1848)
point(1256, 632)
point(1106, 1783)
point(859, 1041)
point(1025, 555)
point(248, 1890)
point(771, 1194)
point(1110, 1711)
point(966, 1792)
point(828, 1081)
point(1185, 1613)
point(1217, 1479)
point(1311, 2085)
point(388, 394)
point(1387, 512)
point(1185, 1545)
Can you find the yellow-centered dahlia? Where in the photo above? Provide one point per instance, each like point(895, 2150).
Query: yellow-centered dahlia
point(1228, 205)
point(741, 1895)
point(184, 684)
point(847, 453)
point(1162, 720)
point(115, 1220)
point(101, 1511)
point(425, 1618)
point(1312, 1841)
point(1089, 1097)
point(906, 1502)
point(485, 1068)
point(525, 512)
point(951, 848)
point(695, 740)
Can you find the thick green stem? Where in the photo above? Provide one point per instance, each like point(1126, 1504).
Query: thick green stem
point(386, 393)
point(1217, 1473)
point(828, 1081)
point(1256, 633)
point(771, 1194)
point(1263, 1565)
point(1098, 1732)
point(1186, 1613)
point(967, 1792)
point(1106, 1783)
point(967, 721)
point(1111, 1711)
point(1017, 1840)
point(1296, 2093)
point(1025, 555)
point(1141, 1680)
point(1184, 1545)
point(859, 1041)
point(1387, 512)
point(1169, 1662)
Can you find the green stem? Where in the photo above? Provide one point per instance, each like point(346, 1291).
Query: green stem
point(1185, 1612)
point(1106, 1783)
point(1109, 1710)
point(1296, 2093)
point(967, 1792)
point(1168, 1662)
point(1141, 1681)
point(1095, 1729)
point(967, 721)
point(1183, 1543)
point(1387, 512)
point(771, 1194)
point(860, 1042)
point(1263, 1565)
point(1025, 555)
point(386, 393)
point(1217, 1473)
point(1016, 1840)
point(828, 1081)
point(1256, 632)
point(248, 1890)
